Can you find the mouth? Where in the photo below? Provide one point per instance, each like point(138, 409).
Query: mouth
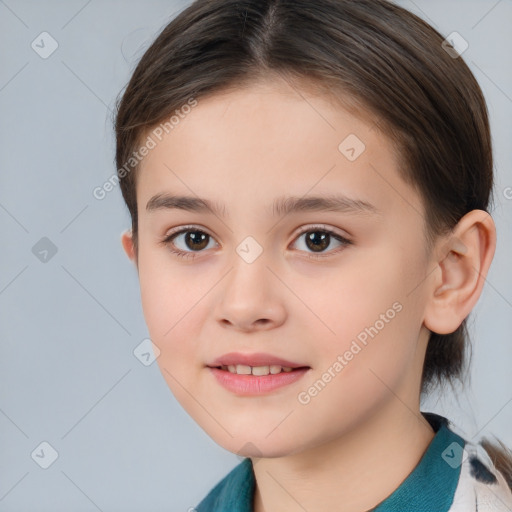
point(245, 380)
point(273, 369)
point(255, 374)
point(257, 363)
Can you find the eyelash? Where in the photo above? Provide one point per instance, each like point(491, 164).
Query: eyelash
point(192, 254)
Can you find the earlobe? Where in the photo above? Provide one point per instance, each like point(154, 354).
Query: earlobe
point(127, 242)
point(463, 261)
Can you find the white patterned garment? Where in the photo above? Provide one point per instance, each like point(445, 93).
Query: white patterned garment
point(481, 487)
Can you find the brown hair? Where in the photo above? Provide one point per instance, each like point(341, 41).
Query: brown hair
point(369, 54)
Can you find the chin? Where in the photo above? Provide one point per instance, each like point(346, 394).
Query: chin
point(258, 446)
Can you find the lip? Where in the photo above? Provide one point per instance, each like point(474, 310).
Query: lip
point(255, 359)
point(256, 385)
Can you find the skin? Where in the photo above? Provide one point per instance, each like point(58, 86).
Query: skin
point(244, 148)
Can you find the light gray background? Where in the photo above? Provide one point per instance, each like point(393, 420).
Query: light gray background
point(69, 325)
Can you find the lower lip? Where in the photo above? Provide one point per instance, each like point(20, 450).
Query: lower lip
point(254, 384)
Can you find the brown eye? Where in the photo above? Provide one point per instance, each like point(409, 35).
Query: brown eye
point(317, 240)
point(195, 240)
point(186, 242)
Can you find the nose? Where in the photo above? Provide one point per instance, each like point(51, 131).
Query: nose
point(251, 297)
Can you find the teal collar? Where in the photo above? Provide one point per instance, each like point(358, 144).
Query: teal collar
point(430, 487)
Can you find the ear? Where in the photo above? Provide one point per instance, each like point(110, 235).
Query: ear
point(462, 261)
point(128, 245)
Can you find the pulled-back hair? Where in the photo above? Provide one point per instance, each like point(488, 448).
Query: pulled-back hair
point(371, 55)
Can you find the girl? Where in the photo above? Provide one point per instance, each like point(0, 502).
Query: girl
point(308, 184)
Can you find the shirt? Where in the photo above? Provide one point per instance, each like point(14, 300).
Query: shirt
point(453, 475)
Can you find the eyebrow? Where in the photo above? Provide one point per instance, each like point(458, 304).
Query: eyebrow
point(281, 206)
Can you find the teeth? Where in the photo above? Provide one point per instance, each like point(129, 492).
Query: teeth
point(261, 370)
point(243, 369)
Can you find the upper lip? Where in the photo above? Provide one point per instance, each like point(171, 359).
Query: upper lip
point(256, 359)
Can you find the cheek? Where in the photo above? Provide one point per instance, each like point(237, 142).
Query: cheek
point(373, 316)
point(166, 294)
point(175, 306)
point(171, 310)
point(352, 297)
point(165, 307)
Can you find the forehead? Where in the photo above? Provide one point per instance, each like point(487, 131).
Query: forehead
point(268, 140)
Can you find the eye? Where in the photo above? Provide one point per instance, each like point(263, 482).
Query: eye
point(191, 237)
point(318, 239)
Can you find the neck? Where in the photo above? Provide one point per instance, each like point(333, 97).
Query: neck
point(359, 469)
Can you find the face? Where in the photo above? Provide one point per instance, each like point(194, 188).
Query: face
point(338, 289)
